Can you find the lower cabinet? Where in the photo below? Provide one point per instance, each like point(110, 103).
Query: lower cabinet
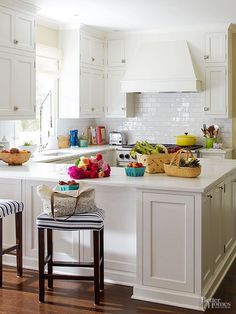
point(168, 241)
point(218, 221)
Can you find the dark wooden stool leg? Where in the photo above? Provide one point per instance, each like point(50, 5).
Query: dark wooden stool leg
point(96, 255)
point(1, 252)
point(18, 224)
point(41, 263)
point(50, 253)
point(102, 259)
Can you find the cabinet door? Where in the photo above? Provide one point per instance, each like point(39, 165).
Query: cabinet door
point(6, 80)
point(85, 94)
point(116, 52)
point(216, 91)
point(115, 99)
point(24, 32)
point(215, 47)
point(85, 49)
point(97, 52)
point(97, 92)
point(6, 27)
point(217, 225)
point(207, 238)
point(229, 214)
point(168, 241)
point(24, 86)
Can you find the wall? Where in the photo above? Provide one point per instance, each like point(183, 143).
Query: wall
point(46, 36)
point(234, 93)
point(160, 117)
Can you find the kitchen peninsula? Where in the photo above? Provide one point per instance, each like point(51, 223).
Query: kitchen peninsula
point(191, 220)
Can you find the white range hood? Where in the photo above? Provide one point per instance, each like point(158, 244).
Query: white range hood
point(165, 66)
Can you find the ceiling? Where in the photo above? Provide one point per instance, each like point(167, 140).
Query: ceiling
point(139, 14)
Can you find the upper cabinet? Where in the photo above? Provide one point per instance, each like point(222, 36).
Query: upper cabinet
point(82, 75)
point(17, 30)
point(116, 52)
point(17, 64)
point(91, 51)
point(218, 75)
point(215, 48)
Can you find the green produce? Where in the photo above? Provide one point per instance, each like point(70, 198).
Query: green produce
point(192, 163)
point(146, 148)
point(77, 162)
point(28, 143)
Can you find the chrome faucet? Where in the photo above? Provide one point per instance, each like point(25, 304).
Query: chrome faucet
point(41, 145)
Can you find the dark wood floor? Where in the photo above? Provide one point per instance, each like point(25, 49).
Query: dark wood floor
point(20, 296)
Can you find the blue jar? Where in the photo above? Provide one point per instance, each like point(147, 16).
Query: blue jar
point(74, 138)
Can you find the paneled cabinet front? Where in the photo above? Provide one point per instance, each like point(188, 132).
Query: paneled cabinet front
point(91, 50)
point(16, 30)
point(168, 241)
point(17, 85)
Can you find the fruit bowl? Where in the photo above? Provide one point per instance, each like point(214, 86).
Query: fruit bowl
point(135, 172)
point(15, 159)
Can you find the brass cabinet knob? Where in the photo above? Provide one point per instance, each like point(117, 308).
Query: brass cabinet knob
point(206, 108)
point(92, 109)
point(122, 60)
point(15, 108)
point(93, 59)
point(209, 196)
point(16, 41)
point(206, 57)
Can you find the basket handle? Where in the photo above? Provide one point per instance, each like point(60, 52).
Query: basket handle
point(177, 156)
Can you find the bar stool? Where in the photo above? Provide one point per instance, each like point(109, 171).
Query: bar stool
point(86, 221)
point(9, 207)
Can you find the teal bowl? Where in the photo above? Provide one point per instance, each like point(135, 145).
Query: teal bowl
point(135, 172)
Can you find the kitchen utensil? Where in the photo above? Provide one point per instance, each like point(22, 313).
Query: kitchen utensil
point(117, 138)
point(185, 140)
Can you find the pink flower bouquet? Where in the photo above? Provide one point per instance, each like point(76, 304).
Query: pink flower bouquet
point(94, 167)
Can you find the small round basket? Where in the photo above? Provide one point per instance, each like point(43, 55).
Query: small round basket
point(15, 159)
point(135, 172)
point(173, 169)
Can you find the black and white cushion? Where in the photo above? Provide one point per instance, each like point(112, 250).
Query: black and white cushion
point(84, 221)
point(9, 207)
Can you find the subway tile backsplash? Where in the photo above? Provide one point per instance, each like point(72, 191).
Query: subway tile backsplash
point(159, 117)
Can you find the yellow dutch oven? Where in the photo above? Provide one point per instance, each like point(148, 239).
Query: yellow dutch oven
point(185, 140)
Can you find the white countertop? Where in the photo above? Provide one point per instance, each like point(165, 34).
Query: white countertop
point(213, 171)
point(216, 151)
point(69, 153)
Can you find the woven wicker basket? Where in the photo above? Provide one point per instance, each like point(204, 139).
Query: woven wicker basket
point(154, 163)
point(174, 169)
point(15, 159)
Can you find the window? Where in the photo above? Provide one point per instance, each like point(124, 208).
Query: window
point(41, 130)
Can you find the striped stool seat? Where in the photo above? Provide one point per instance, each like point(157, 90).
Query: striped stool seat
point(84, 221)
point(9, 207)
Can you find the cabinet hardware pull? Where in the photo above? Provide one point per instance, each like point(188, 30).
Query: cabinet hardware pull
point(206, 108)
point(210, 196)
point(122, 60)
point(221, 187)
point(16, 41)
point(92, 109)
point(15, 108)
point(123, 108)
point(93, 59)
point(206, 57)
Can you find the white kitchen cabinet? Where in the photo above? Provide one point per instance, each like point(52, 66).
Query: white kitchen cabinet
point(215, 94)
point(116, 52)
point(168, 241)
point(215, 47)
point(17, 30)
point(118, 105)
point(92, 51)
point(17, 84)
point(91, 92)
point(213, 153)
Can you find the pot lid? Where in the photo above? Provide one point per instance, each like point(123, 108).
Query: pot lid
point(186, 135)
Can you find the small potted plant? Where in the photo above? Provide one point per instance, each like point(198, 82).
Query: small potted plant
point(29, 146)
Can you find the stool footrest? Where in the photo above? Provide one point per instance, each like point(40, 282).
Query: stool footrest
point(68, 277)
point(10, 249)
point(72, 264)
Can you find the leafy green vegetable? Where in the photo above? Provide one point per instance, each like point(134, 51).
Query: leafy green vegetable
point(146, 148)
point(28, 143)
